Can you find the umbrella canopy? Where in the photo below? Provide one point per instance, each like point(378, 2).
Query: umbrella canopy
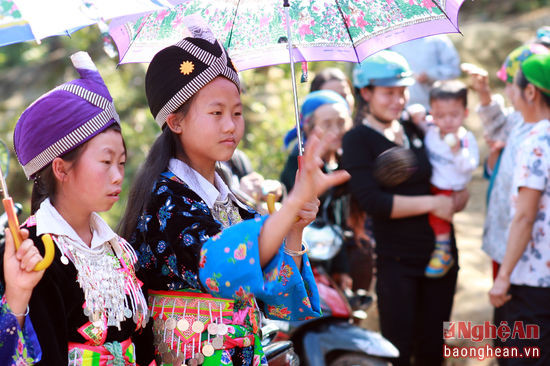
point(24, 20)
point(269, 32)
point(254, 32)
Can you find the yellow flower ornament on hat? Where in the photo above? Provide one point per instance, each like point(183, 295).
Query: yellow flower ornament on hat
point(186, 67)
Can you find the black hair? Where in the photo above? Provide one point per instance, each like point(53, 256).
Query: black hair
point(522, 82)
point(165, 147)
point(45, 183)
point(361, 106)
point(450, 89)
point(328, 74)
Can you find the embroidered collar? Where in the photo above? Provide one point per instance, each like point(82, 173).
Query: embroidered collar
point(207, 191)
point(49, 220)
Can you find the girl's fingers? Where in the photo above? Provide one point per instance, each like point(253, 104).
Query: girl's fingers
point(25, 246)
point(30, 260)
point(25, 249)
point(9, 245)
point(333, 179)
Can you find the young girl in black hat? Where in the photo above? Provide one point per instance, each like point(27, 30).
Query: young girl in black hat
point(205, 256)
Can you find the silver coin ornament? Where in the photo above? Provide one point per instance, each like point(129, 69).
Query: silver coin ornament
point(163, 348)
point(197, 327)
point(158, 323)
point(167, 357)
point(171, 324)
point(127, 313)
point(212, 328)
point(208, 350)
point(217, 342)
point(64, 260)
point(222, 329)
point(183, 325)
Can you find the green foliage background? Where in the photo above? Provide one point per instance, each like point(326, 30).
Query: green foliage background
point(28, 70)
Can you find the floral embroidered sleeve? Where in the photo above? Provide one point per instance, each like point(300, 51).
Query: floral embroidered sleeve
point(169, 236)
point(17, 346)
point(230, 268)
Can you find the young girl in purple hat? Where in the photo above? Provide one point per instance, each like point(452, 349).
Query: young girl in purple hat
point(208, 260)
point(88, 306)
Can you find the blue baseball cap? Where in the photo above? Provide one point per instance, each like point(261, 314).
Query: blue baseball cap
point(384, 68)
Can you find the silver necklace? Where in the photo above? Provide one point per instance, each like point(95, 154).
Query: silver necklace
point(103, 283)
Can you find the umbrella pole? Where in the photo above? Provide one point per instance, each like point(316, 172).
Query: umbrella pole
point(286, 5)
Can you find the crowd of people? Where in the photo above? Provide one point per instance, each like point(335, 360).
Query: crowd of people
point(193, 267)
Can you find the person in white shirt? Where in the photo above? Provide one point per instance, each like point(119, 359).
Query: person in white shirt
point(523, 279)
point(454, 155)
point(431, 59)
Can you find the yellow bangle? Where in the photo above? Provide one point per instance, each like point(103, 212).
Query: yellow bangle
point(296, 253)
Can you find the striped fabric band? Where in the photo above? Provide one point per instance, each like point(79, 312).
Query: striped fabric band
point(78, 135)
point(113, 353)
point(218, 66)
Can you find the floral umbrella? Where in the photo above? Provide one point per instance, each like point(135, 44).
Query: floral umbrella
point(25, 20)
point(254, 32)
point(261, 33)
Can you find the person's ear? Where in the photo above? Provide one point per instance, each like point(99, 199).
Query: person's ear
point(366, 94)
point(174, 123)
point(530, 93)
point(60, 169)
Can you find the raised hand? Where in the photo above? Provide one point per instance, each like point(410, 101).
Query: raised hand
point(18, 271)
point(479, 81)
point(311, 181)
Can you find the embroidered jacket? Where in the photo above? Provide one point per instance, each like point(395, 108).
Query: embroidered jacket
point(17, 346)
point(180, 247)
point(56, 310)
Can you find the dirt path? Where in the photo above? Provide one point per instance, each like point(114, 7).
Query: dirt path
point(471, 302)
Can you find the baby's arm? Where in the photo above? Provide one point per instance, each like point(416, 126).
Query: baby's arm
point(496, 118)
point(419, 116)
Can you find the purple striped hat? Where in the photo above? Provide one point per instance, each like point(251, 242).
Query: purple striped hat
point(64, 118)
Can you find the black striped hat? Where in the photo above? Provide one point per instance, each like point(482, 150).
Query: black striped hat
point(177, 72)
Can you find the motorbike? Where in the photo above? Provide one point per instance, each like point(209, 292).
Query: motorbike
point(334, 339)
